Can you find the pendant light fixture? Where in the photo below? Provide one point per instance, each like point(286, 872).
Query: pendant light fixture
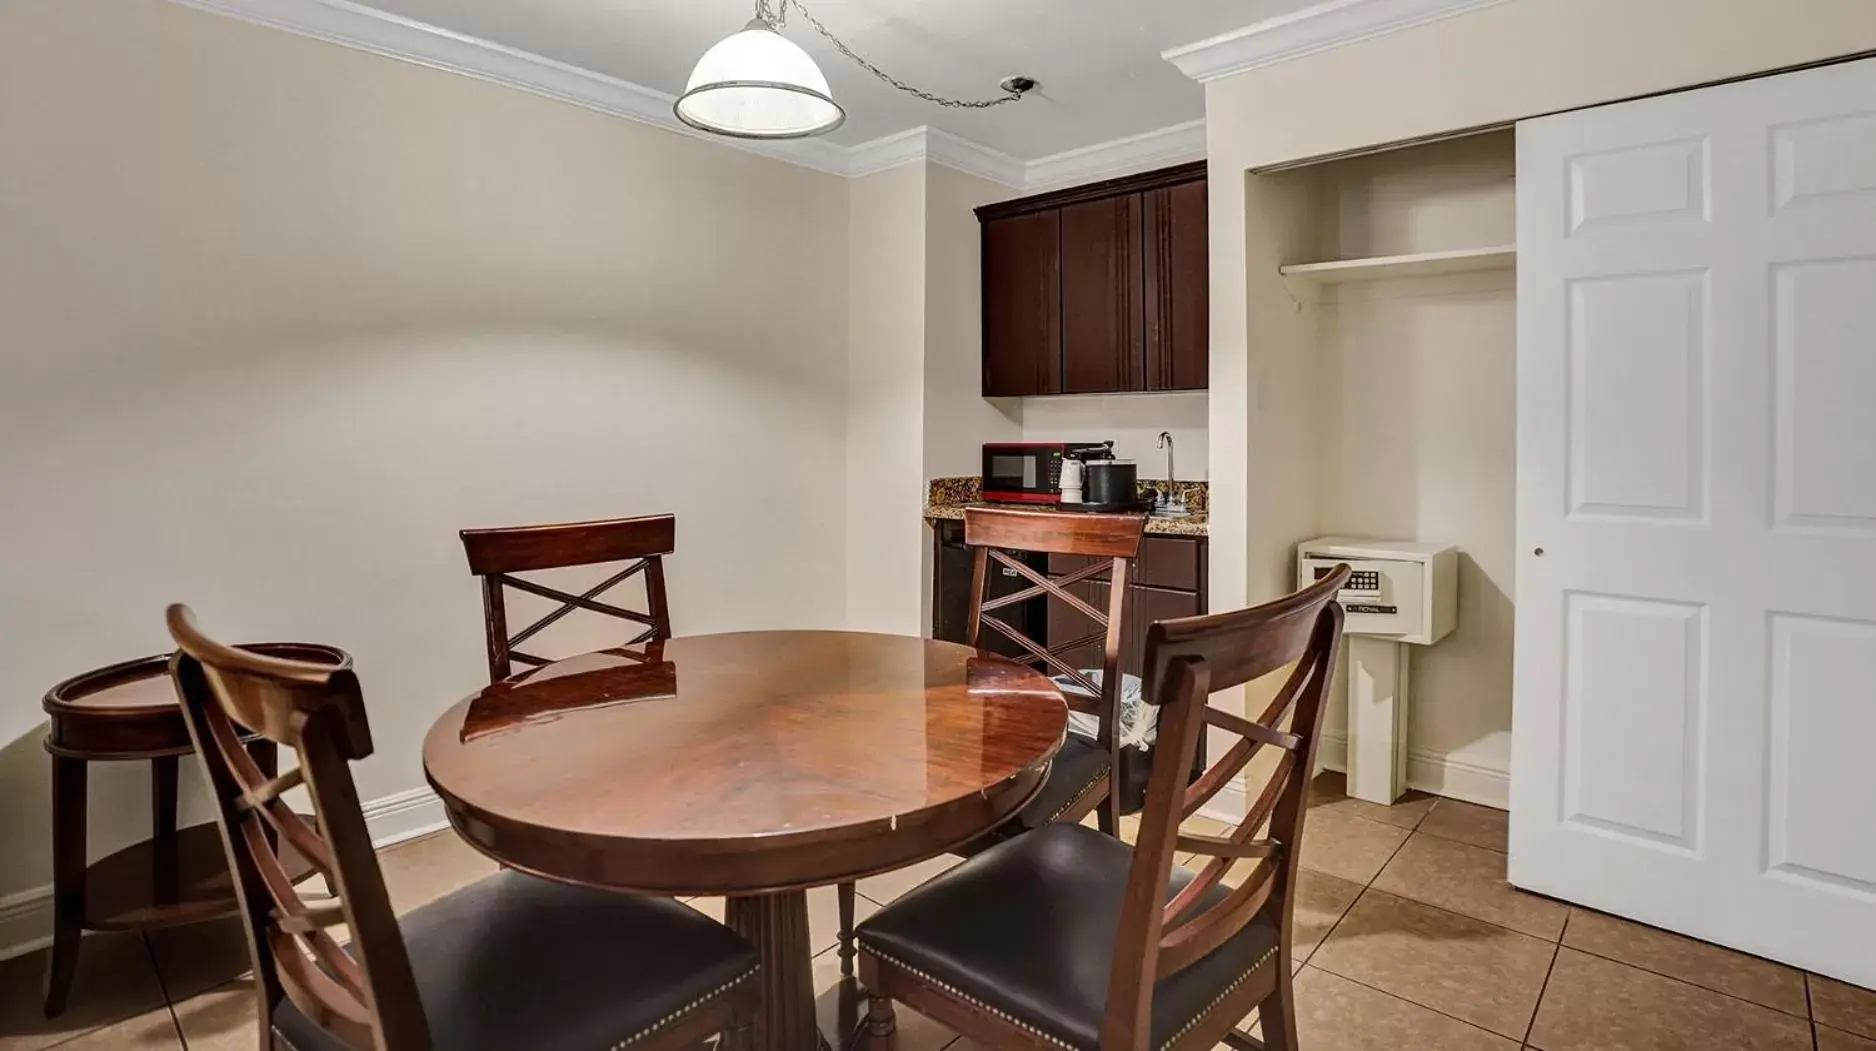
point(758, 84)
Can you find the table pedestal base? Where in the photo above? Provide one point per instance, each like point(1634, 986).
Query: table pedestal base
point(777, 925)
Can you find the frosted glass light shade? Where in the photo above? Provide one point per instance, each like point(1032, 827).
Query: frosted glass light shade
point(758, 84)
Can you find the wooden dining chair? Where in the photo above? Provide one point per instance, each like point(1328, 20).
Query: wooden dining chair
point(511, 961)
point(1069, 939)
point(496, 555)
point(1082, 776)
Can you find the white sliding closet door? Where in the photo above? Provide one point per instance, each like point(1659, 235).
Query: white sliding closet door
point(1695, 707)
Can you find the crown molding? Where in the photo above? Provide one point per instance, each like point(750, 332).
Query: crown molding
point(1106, 160)
point(942, 147)
point(891, 151)
point(921, 144)
point(354, 25)
point(1331, 24)
point(380, 33)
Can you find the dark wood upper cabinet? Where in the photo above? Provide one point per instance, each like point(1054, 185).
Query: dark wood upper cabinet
point(1177, 299)
point(1098, 289)
point(1101, 296)
point(1023, 320)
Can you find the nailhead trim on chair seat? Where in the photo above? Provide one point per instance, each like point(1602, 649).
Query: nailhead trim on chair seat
point(1220, 998)
point(1079, 795)
point(642, 1033)
point(966, 997)
point(687, 1008)
point(1027, 1028)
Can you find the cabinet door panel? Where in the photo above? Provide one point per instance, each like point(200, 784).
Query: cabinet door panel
point(1168, 562)
point(1148, 605)
point(1178, 296)
point(1022, 305)
point(1066, 623)
point(1102, 328)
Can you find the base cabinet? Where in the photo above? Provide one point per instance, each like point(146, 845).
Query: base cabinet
point(1168, 582)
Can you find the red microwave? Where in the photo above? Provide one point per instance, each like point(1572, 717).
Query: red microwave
point(1031, 472)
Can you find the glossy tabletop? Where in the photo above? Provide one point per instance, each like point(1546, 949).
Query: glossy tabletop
point(747, 762)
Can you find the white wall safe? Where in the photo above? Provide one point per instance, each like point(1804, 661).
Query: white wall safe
point(1400, 593)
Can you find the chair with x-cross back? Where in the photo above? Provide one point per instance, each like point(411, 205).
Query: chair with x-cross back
point(1082, 777)
point(496, 555)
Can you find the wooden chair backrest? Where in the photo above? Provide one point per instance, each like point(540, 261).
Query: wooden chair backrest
point(366, 997)
point(496, 555)
point(1113, 541)
point(1186, 661)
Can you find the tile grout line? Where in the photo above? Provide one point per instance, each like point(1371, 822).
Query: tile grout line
point(1365, 888)
point(1810, 1011)
point(162, 984)
point(1592, 952)
point(1555, 951)
point(1412, 1003)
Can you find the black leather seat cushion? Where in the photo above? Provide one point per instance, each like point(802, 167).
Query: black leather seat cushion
point(518, 962)
point(1080, 763)
point(1028, 928)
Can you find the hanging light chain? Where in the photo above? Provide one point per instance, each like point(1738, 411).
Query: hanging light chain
point(776, 16)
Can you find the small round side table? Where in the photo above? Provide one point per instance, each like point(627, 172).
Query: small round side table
point(128, 712)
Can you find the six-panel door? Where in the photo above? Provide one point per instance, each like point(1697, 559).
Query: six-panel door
point(1695, 705)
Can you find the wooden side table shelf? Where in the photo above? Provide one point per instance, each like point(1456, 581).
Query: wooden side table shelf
point(129, 712)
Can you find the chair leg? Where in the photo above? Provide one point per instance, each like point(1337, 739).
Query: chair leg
point(880, 1021)
point(1277, 1014)
point(846, 952)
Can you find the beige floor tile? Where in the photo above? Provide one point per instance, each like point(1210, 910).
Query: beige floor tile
point(1321, 901)
point(1469, 880)
point(116, 981)
point(1351, 848)
point(1829, 1039)
point(1329, 793)
point(220, 1020)
point(886, 886)
point(201, 956)
point(1480, 826)
point(1709, 966)
point(823, 914)
point(151, 1031)
point(1593, 1004)
point(1844, 1007)
point(1335, 1014)
point(840, 1006)
point(1473, 970)
point(422, 870)
point(713, 907)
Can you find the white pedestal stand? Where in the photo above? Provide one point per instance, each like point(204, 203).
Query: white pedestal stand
point(1377, 718)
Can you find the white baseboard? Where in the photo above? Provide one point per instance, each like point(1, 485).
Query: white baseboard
point(1432, 772)
point(25, 922)
point(26, 917)
point(403, 816)
point(1229, 805)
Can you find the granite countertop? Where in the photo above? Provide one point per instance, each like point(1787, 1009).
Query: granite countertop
point(946, 498)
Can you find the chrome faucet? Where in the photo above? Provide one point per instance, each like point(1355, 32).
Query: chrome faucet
point(1167, 503)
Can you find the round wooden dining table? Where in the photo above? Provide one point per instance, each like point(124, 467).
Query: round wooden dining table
point(752, 765)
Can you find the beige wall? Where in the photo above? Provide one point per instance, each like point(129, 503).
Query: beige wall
point(1416, 428)
point(885, 398)
point(958, 419)
point(1134, 422)
point(915, 408)
point(1498, 64)
point(277, 318)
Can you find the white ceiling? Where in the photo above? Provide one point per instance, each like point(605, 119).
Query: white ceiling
point(1098, 60)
